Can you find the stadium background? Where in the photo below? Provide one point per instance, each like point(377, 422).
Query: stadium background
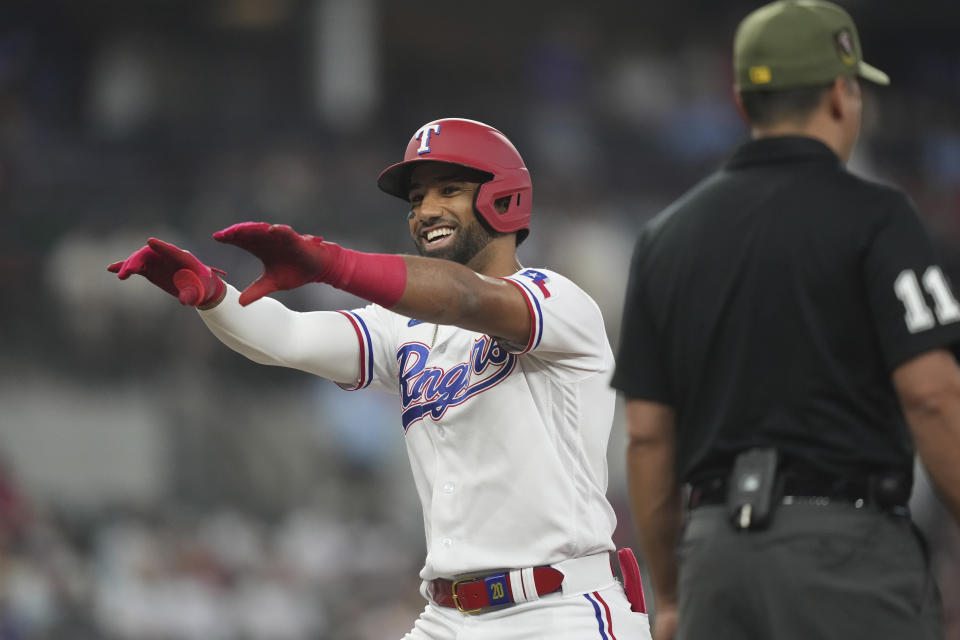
point(155, 485)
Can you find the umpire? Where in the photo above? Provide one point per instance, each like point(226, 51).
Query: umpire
point(786, 347)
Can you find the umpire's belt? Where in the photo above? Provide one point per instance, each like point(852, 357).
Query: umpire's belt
point(808, 489)
point(476, 593)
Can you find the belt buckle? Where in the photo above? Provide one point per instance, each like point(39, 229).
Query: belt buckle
point(456, 598)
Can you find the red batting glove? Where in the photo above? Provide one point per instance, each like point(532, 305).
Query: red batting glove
point(175, 271)
point(290, 260)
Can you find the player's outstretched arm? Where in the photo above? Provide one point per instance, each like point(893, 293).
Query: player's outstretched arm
point(929, 390)
point(446, 292)
point(322, 343)
point(175, 271)
point(428, 289)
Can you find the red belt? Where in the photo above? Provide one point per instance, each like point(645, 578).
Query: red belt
point(470, 595)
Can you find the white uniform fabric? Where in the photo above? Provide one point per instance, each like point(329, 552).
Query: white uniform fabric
point(602, 614)
point(507, 442)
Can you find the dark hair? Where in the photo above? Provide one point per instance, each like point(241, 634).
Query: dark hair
point(765, 108)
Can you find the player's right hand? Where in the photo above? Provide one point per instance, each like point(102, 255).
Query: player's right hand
point(290, 259)
point(175, 271)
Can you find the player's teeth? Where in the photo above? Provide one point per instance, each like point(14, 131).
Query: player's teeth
point(438, 233)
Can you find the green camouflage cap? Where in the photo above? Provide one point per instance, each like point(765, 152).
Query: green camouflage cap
point(798, 43)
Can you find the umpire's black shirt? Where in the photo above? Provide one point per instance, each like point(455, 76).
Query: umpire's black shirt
point(769, 306)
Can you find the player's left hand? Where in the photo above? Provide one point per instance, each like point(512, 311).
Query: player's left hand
point(174, 270)
point(290, 260)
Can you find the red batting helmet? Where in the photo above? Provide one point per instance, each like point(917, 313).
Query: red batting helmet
point(478, 146)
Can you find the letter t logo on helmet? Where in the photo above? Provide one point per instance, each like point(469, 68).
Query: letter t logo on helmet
point(478, 146)
point(423, 135)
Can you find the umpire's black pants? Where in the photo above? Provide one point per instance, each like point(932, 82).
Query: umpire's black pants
point(817, 573)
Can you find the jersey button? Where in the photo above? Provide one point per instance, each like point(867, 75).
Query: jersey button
point(448, 487)
point(447, 542)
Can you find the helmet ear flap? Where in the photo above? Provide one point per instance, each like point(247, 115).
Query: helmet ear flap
point(508, 205)
point(500, 199)
point(502, 205)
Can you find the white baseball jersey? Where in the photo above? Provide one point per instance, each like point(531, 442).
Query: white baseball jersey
point(507, 442)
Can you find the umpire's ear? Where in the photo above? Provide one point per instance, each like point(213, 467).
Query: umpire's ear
point(737, 100)
point(845, 98)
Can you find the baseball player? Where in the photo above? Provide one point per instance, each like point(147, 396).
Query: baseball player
point(502, 374)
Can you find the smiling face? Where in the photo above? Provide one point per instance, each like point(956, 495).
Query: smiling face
point(442, 219)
